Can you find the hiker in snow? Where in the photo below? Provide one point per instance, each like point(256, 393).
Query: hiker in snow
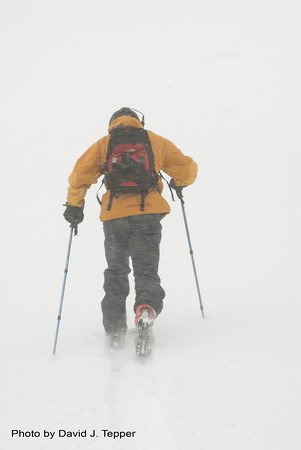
point(132, 208)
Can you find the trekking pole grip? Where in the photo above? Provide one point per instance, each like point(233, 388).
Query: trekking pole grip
point(179, 193)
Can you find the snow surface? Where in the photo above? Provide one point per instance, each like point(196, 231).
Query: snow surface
point(222, 81)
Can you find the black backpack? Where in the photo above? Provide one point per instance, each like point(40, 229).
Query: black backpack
point(129, 166)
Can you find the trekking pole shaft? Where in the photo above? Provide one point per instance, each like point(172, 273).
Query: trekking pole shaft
point(192, 257)
point(63, 291)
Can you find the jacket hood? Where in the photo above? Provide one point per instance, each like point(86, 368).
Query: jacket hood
point(126, 121)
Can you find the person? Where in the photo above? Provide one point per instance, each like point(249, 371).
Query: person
point(131, 215)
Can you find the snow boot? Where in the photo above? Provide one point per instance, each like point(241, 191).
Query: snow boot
point(117, 339)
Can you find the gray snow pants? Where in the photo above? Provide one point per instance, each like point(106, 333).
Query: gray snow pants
point(137, 237)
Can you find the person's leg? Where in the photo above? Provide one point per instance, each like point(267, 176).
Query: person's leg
point(144, 246)
point(116, 284)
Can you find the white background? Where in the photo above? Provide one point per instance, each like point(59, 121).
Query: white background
point(221, 79)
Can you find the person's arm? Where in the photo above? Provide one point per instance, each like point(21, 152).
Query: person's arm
point(181, 168)
point(86, 172)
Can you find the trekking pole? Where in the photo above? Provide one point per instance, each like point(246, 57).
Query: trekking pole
point(180, 195)
point(73, 227)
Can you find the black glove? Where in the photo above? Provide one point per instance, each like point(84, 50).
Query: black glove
point(178, 189)
point(74, 214)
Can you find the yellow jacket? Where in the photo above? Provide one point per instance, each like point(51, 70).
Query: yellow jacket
point(167, 157)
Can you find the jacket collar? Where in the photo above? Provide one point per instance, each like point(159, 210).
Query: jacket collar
point(126, 121)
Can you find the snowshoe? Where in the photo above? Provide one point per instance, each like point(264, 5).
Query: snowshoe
point(145, 316)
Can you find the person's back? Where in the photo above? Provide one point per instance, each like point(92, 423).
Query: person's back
point(131, 210)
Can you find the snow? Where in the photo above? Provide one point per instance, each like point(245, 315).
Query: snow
point(231, 378)
point(222, 81)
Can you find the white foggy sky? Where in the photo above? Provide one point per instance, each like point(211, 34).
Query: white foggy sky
point(220, 79)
